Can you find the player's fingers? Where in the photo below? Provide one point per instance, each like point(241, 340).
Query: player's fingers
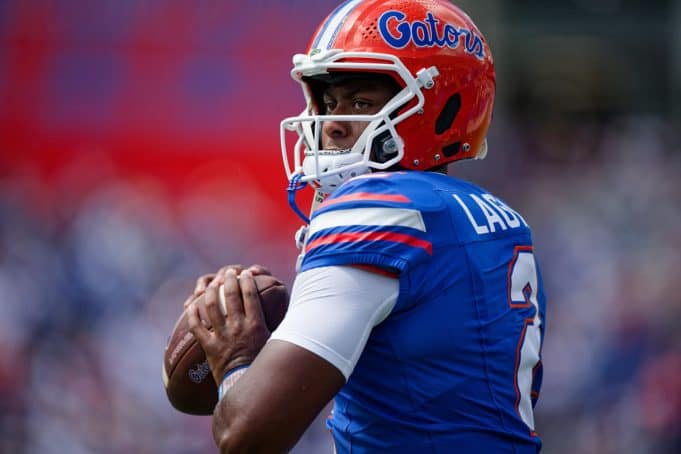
point(249, 294)
point(259, 270)
point(203, 282)
point(232, 293)
point(196, 326)
point(211, 306)
point(237, 268)
point(188, 301)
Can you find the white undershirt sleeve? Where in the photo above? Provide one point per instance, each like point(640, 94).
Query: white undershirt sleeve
point(333, 309)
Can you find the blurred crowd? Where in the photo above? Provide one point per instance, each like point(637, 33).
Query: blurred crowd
point(107, 216)
point(91, 282)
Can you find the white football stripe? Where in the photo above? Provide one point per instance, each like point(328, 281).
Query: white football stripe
point(328, 32)
point(223, 301)
point(402, 217)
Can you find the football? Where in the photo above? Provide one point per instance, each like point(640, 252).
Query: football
point(187, 377)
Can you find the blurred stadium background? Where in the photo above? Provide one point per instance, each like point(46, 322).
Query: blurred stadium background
point(139, 149)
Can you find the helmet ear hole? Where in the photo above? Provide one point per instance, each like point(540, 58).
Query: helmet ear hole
point(451, 150)
point(383, 148)
point(446, 118)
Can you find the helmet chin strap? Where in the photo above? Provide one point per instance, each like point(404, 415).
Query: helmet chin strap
point(331, 168)
point(294, 186)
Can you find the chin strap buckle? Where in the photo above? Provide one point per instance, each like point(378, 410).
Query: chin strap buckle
point(301, 236)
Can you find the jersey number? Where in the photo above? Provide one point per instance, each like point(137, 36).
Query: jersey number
point(523, 285)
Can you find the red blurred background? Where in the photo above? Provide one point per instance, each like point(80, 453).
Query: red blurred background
point(178, 92)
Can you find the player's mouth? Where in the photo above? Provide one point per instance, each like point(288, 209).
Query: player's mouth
point(329, 151)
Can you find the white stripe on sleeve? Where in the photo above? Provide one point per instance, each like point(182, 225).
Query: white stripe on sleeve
point(402, 217)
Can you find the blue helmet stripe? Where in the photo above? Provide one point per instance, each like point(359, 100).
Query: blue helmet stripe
point(327, 35)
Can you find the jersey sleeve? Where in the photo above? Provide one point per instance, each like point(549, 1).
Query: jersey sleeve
point(371, 220)
point(333, 310)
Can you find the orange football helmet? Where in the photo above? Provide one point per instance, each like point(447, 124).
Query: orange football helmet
point(442, 64)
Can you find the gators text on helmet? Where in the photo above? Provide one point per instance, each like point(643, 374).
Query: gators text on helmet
point(441, 114)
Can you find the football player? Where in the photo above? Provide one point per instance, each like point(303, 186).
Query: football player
point(418, 304)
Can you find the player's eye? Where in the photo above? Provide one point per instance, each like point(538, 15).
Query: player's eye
point(360, 104)
point(329, 105)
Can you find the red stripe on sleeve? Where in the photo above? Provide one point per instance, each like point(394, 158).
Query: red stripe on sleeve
point(351, 237)
point(378, 270)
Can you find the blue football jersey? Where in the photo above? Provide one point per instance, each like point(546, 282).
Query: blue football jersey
point(456, 366)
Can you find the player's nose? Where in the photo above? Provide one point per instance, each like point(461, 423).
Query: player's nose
point(336, 129)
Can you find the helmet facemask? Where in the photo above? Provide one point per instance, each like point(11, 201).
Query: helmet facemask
point(378, 147)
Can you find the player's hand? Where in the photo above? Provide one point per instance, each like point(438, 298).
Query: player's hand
point(203, 281)
point(236, 339)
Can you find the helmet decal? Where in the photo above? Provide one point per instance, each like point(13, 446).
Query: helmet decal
point(398, 33)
